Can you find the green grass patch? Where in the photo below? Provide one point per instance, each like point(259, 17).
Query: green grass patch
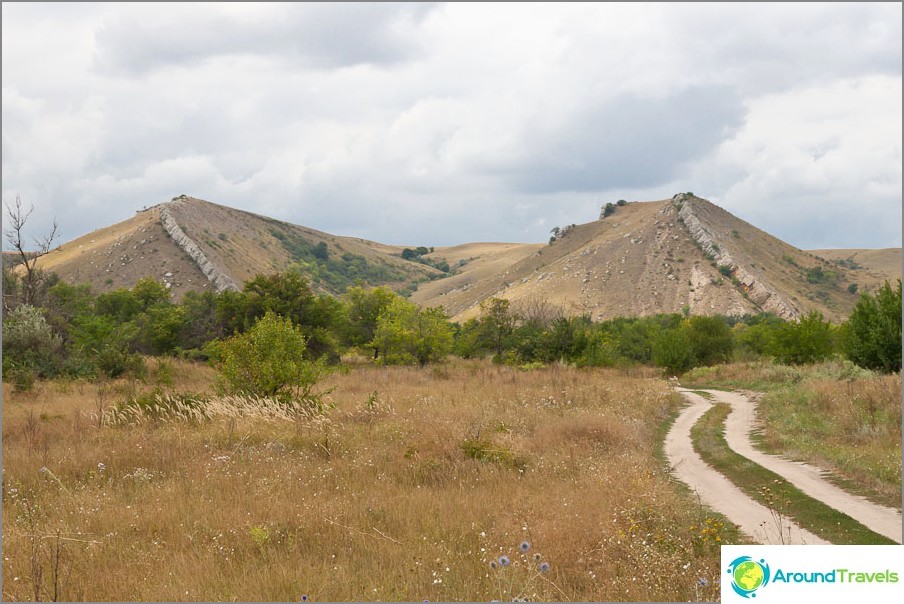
point(773, 491)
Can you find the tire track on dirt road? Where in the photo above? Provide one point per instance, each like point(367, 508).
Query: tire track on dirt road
point(809, 479)
point(719, 493)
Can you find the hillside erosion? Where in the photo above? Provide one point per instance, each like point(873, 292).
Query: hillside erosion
point(219, 280)
point(717, 247)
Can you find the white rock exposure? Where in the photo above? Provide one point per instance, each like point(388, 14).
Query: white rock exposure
point(219, 280)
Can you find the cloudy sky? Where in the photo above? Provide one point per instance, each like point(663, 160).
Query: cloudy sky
point(443, 124)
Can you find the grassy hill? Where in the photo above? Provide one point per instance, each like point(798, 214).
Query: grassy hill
point(233, 244)
point(683, 254)
point(649, 257)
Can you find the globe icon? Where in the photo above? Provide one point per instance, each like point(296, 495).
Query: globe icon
point(748, 575)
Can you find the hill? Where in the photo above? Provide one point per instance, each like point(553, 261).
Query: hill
point(191, 244)
point(674, 255)
point(682, 254)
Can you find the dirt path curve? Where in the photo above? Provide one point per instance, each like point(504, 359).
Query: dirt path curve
point(718, 492)
point(738, 426)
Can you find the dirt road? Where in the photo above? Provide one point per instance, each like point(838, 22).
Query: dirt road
point(719, 493)
point(809, 479)
point(756, 520)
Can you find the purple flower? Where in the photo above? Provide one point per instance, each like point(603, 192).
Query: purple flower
point(504, 561)
point(524, 547)
point(544, 567)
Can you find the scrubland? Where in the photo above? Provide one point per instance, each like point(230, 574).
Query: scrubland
point(409, 486)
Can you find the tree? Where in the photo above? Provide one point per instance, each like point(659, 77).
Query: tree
point(269, 360)
point(872, 334)
point(29, 343)
point(410, 334)
point(363, 309)
point(805, 341)
point(709, 339)
point(497, 323)
point(34, 277)
point(672, 351)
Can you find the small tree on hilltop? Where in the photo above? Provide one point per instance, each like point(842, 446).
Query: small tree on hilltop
point(268, 360)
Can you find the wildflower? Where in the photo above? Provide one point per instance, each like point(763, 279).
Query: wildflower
point(304, 598)
point(504, 561)
point(493, 564)
point(702, 582)
point(101, 467)
point(524, 547)
point(544, 567)
point(536, 557)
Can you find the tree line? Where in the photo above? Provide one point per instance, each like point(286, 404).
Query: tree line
point(65, 329)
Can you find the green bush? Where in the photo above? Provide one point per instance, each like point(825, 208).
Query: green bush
point(805, 341)
point(672, 351)
point(872, 334)
point(269, 360)
point(30, 347)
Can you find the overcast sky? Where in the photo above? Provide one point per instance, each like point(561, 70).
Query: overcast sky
point(444, 124)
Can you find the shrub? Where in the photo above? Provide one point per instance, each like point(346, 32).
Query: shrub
point(805, 341)
point(29, 345)
point(872, 334)
point(672, 351)
point(268, 360)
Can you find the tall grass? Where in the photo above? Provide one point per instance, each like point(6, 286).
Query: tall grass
point(377, 499)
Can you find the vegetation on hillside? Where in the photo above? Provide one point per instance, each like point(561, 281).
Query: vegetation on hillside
point(70, 331)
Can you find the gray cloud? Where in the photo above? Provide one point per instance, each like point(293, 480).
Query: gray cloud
point(324, 36)
point(628, 142)
point(457, 122)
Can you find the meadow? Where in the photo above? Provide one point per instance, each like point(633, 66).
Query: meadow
point(462, 481)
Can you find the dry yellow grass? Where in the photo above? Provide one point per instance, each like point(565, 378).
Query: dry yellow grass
point(377, 501)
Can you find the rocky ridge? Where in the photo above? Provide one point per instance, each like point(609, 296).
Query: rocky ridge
point(219, 280)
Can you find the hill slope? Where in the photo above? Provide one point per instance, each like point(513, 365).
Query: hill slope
point(672, 255)
point(192, 244)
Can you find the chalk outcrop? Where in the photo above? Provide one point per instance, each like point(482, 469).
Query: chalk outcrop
point(219, 280)
point(716, 248)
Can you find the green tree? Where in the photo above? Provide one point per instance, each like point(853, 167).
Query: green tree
point(269, 360)
point(709, 339)
point(872, 334)
point(672, 350)
point(106, 345)
point(497, 323)
point(805, 341)
point(363, 308)
point(409, 334)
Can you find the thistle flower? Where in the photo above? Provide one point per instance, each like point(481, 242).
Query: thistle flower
point(504, 561)
point(544, 567)
point(524, 547)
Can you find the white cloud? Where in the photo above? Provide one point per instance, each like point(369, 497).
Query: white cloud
point(448, 123)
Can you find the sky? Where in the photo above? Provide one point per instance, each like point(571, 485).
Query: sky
point(440, 124)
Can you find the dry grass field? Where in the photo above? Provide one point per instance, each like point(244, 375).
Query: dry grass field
point(410, 487)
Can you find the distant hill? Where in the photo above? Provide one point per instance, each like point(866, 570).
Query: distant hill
point(650, 257)
point(639, 258)
point(192, 244)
